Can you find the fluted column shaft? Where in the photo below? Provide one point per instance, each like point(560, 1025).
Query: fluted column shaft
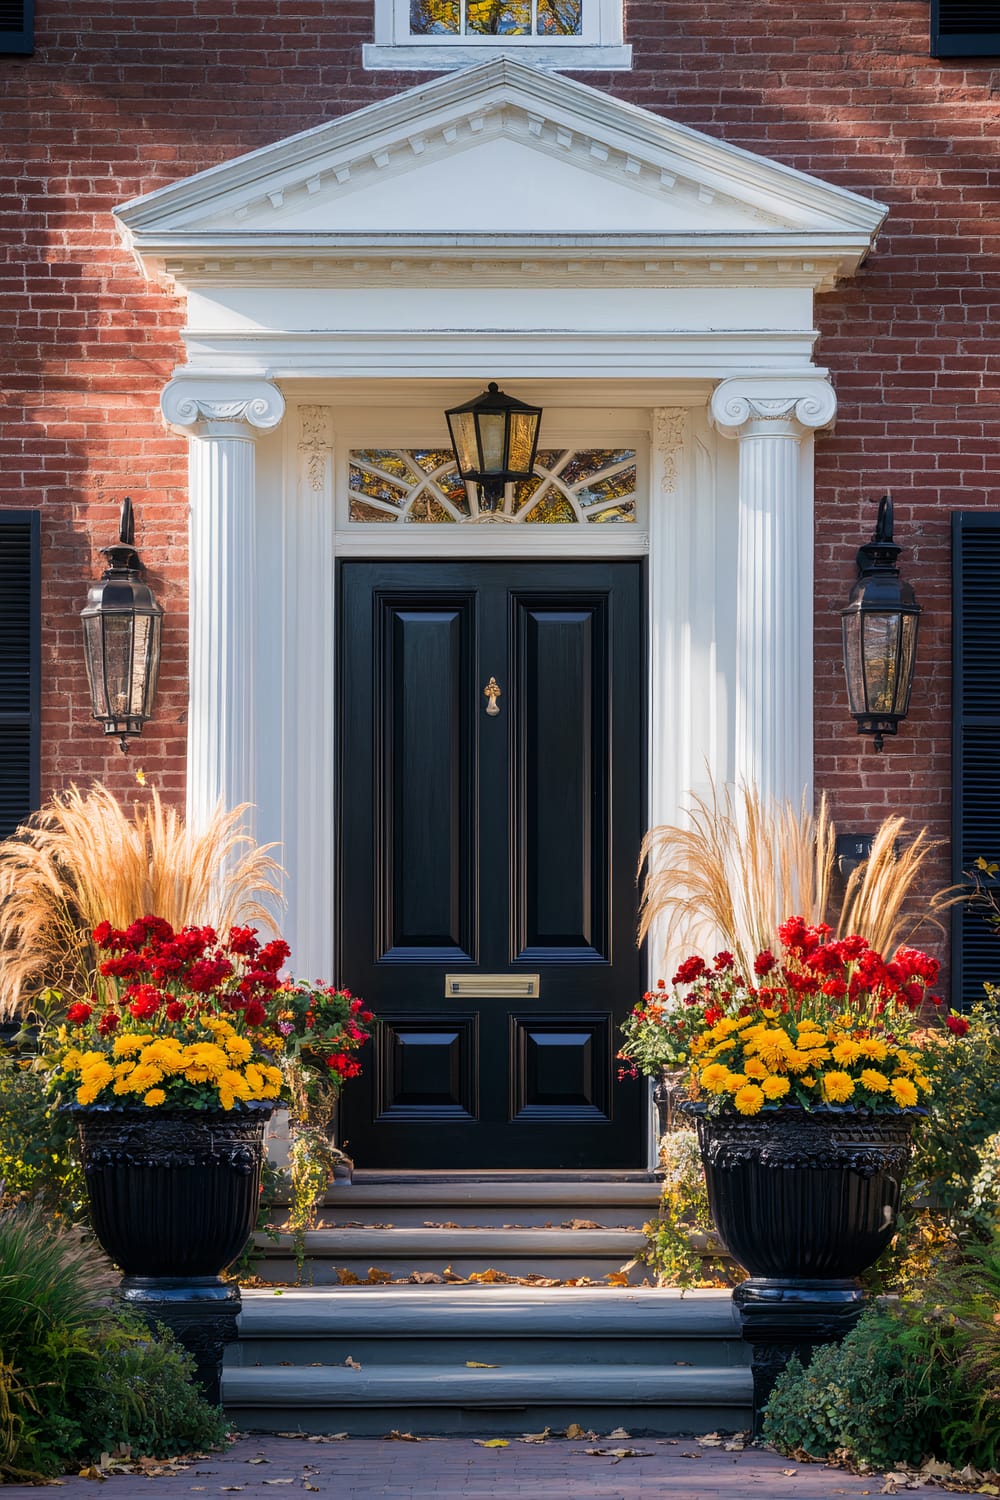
point(773, 421)
point(222, 422)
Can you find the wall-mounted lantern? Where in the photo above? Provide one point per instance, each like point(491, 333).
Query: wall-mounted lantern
point(494, 438)
point(122, 623)
point(880, 635)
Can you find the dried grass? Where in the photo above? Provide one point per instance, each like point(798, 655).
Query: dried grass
point(740, 866)
point(85, 858)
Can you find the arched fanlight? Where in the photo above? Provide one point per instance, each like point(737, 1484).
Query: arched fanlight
point(494, 438)
point(880, 635)
point(122, 623)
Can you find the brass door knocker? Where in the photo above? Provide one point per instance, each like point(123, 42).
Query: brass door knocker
point(492, 692)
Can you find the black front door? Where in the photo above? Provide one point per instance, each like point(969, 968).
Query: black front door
point(488, 846)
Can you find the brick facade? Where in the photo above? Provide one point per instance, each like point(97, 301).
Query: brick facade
point(127, 99)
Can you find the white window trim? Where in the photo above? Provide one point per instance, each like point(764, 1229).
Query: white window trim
point(600, 44)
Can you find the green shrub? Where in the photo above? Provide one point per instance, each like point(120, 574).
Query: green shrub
point(145, 1397)
point(37, 1143)
point(916, 1379)
point(76, 1377)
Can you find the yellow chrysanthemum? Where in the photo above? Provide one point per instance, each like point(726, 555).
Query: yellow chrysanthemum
point(922, 1082)
point(874, 1049)
point(96, 1071)
point(874, 1081)
point(807, 1024)
point(845, 1052)
point(905, 1061)
point(807, 1081)
point(87, 1093)
point(904, 1093)
point(810, 1038)
point(749, 1100)
point(735, 1081)
point(837, 1087)
point(238, 1048)
point(801, 1062)
point(154, 1097)
point(773, 1047)
point(713, 1077)
point(72, 1060)
point(775, 1087)
point(128, 1043)
point(754, 1068)
point(769, 1013)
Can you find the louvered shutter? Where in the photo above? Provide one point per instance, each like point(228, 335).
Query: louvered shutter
point(965, 28)
point(19, 667)
point(976, 736)
point(17, 26)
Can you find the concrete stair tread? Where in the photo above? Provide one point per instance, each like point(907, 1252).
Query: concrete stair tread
point(487, 1311)
point(490, 1243)
point(363, 1194)
point(513, 1385)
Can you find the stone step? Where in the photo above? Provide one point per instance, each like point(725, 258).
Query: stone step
point(512, 1400)
point(563, 1253)
point(490, 1324)
point(511, 1202)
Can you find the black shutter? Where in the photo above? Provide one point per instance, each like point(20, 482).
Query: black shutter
point(17, 26)
point(976, 737)
point(965, 28)
point(20, 665)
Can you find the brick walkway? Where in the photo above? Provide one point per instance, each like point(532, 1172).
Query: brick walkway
point(451, 1467)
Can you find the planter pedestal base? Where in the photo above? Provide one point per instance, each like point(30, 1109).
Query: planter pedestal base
point(200, 1311)
point(782, 1318)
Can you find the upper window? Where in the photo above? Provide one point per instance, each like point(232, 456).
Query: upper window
point(965, 28)
point(431, 34)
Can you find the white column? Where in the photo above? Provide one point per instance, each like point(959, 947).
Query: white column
point(222, 420)
point(773, 419)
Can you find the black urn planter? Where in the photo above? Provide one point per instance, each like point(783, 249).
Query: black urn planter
point(173, 1199)
point(805, 1201)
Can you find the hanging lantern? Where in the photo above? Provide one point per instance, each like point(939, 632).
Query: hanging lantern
point(880, 635)
point(494, 438)
point(122, 623)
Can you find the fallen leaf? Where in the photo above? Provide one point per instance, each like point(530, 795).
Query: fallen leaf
point(91, 1472)
point(789, 1472)
point(277, 1481)
point(536, 1437)
point(378, 1277)
point(314, 1487)
point(403, 1437)
point(258, 1460)
point(710, 1440)
point(574, 1430)
point(619, 1432)
point(489, 1276)
point(474, 1364)
point(346, 1277)
point(491, 1442)
point(617, 1454)
point(351, 1364)
point(326, 1437)
point(689, 1455)
point(291, 1434)
point(616, 1278)
point(582, 1224)
point(426, 1278)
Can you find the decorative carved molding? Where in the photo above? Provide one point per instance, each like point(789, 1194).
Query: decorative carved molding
point(791, 1140)
point(216, 408)
point(669, 432)
point(315, 443)
point(745, 407)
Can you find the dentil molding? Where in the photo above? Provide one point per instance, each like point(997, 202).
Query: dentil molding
point(221, 408)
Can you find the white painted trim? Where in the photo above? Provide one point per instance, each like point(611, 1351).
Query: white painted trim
point(567, 53)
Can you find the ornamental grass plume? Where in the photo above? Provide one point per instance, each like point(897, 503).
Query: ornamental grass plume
point(731, 873)
point(84, 858)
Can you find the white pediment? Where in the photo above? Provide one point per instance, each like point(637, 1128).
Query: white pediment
point(501, 160)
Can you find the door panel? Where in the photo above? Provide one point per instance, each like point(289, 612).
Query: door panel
point(479, 847)
point(422, 744)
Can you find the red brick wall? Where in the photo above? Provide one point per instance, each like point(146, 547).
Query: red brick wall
point(120, 100)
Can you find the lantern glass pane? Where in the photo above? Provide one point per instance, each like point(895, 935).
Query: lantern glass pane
point(851, 624)
point(93, 637)
point(492, 435)
point(881, 661)
point(907, 661)
point(118, 668)
point(523, 427)
point(463, 439)
point(145, 662)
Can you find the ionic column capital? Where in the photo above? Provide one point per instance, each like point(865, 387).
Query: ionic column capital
point(772, 406)
point(241, 408)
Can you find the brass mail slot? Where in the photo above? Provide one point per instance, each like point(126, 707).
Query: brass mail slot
point(491, 986)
